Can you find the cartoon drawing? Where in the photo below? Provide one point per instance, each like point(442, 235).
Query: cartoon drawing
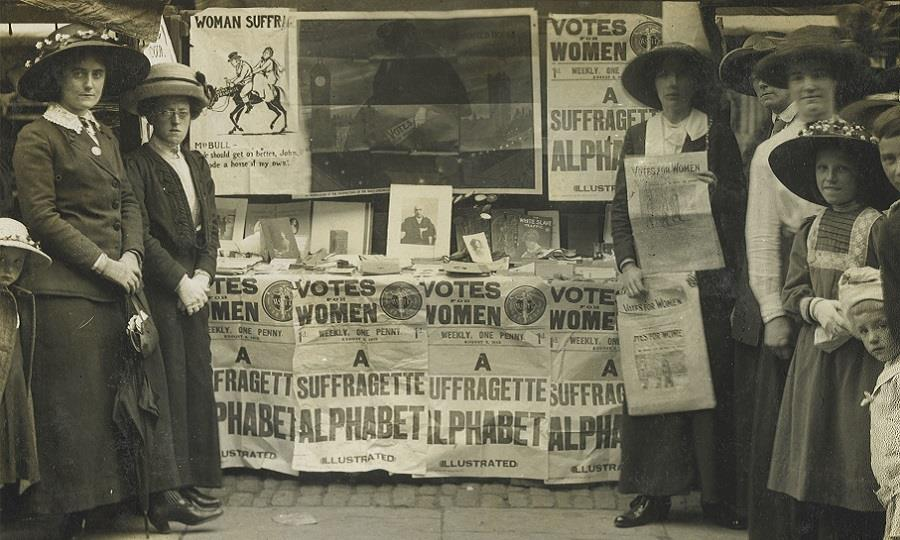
point(250, 86)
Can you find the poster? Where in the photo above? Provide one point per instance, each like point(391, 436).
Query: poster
point(664, 358)
point(252, 345)
point(588, 110)
point(361, 365)
point(488, 365)
point(251, 134)
point(586, 386)
point(666, 201)
point(434, 98)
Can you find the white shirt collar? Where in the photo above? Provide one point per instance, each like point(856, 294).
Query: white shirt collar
point(664, 137)
point(891, 370)
point(59, 115)
point(787, 114)
point(163, 150)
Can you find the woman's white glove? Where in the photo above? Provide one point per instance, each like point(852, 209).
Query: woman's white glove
point(191, 295)
point(829, 316)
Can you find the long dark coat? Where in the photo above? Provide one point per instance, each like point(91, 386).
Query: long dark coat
point(175, 248)
point(78, 205)
point(665, 454)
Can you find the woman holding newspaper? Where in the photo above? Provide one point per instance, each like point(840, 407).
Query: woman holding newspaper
point(675, 79)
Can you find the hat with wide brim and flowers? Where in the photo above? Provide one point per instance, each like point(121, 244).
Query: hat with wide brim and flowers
point(736, 67)
point(825, 43)
point(125, 67)
point(13, 234)
point(794, 162)
point(167, 80)
point(639, 76)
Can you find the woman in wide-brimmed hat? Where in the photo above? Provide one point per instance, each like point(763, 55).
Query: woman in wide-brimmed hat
point(77, 201)
point(821, 451)
point(176, 190)
point(663, 455)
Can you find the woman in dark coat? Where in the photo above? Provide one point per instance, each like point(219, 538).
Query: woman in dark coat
point(175, 188)
point(77, 201)
point(662, 455)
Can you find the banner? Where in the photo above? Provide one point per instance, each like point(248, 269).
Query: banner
point(586, 388)
point(251, 133)
point(666, 201)
point(360, 366)
point(664, 358)
point(252, 346)
point(588, 110)
point(435, 98)
point(488, 362)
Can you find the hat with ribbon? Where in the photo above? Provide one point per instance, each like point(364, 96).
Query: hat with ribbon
point(14, 234)
point(736, 67)
point(166, 80)
point(125, 66)
point(865, 111)
point(887, 124)
point(794, 162)
point(639, 76)
point(859, 284)
point(825, 43)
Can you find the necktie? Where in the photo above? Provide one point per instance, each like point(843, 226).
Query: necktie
point(778, 125)
point(89, 127)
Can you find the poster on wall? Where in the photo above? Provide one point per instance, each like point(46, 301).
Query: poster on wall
point(586, 386)
point(488, 365)
point(433, 98)
point(251, 132)
point(252, 345)
point(588, 110)
point(361, 366)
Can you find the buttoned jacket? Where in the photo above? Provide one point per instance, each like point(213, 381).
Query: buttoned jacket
point(78, 203)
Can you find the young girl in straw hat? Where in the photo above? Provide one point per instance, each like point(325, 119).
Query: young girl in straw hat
point(821, 451)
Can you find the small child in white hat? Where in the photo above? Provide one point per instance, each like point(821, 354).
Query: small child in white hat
point(18, 449)
point(862, 301)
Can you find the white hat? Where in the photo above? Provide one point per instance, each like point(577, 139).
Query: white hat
point(859, 284)
point(14, 234)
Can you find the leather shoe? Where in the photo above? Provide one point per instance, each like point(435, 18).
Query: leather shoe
point(723, 516)
point(171, 506)
point(643, 510)
point(200, 499)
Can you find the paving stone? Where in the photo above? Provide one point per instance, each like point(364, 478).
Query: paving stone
point(467, 498)
point(490, 500)
point(283, 498)
point(308, 500)
point(539, 491)
point(427, 501)
point(380, 498)
point(228, 480)
point(240, 499)
point(404, 496)
point(364, 488)
point(518, 499)
point(446, 501)
point(312, 489)
point(607, 500)
point(580, 492)
point(249, 484)
point(335, 499)
point(582, 501)
point(288, 485)
point(339, 489)
point(262, 500)
point(496, 489)
point(563, 499)
point(272, 483)
point(542, 501)
point(427, 489)
point(449, 489)
point(360, 499)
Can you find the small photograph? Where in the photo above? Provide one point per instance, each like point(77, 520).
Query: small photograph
point(277, 239)
point(419, 221)
point(231, 214)
point(478, 248)
point(418, 228)
point(662, 370)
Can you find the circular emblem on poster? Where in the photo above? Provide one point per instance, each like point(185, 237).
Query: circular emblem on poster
point(401, 300)
point(276, 300)
point(525, 304)
point(645, 37)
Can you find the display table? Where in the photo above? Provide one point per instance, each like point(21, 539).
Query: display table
point(502, 376)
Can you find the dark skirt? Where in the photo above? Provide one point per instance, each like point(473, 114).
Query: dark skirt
point(77, 359)
point(668, 454)
point(184, 342)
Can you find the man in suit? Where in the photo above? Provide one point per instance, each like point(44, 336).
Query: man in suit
point(417, 229)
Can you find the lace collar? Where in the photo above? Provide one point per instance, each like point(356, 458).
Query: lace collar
point(57, 114)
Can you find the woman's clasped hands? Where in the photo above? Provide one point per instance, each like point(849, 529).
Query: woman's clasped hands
point(192, 293)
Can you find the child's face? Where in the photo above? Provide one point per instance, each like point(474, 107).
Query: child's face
point(871, 327)
point(11, 262)
point(836, 176)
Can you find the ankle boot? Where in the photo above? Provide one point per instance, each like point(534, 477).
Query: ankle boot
point(643, 510)
point(200, 499)
point(169, 506)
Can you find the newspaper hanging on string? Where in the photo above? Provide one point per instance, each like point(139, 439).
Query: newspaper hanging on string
point(251, 133)
point(588, 110)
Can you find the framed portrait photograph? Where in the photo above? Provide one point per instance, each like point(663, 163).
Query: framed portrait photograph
point(231, 214)
point(419, 221)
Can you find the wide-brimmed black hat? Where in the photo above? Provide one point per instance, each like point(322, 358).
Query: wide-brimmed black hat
point(639, 76)
point(825, 43)
point(794, 162)
point(865, 111)
point(887, 123)
point(125, 67)
point(166, 80)
point(736, 67)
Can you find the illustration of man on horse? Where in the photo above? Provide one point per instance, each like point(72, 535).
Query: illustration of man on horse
point(252, 85)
